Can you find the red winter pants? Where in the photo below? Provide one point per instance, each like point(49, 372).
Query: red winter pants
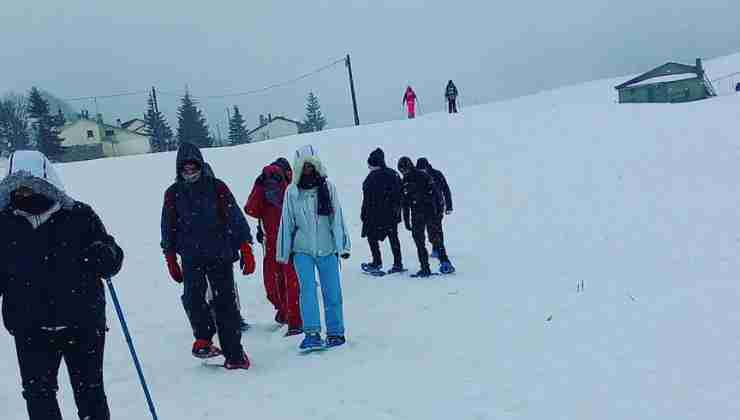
point(281, 285)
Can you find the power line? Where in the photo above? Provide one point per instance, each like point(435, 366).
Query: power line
point(115, 95)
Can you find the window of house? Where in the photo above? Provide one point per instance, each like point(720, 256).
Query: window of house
point(90, 134)
point(109, 133)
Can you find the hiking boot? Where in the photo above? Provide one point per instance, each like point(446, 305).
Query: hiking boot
point(311, 342)
point(293, 331)
point(424, 272)
point(371, 267)
point(446, 267)
point(335, 341)
point(238, 364)
point(204, 349)
point(396, 269)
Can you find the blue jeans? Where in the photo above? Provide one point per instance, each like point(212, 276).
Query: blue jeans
point(331, 290)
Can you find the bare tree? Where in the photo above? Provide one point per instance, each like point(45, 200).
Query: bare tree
point(14, 133)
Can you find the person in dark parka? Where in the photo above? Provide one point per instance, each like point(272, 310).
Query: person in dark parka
point(435, 227)
point(54, 252)
point(422, 204)
point(451, 96)
point(203, 224)
point(381, 211)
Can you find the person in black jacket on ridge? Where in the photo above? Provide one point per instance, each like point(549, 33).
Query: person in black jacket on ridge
point(381, 211)
point(422, 204)
point(54, 253)
point(434, 228)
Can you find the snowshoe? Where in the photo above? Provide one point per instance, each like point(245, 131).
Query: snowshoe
point(446, 268)
point(312, 342)
point(238, 364)
point(396, 269)
point(424, 272)
point(371, 267)
point(293, 331)
point(204, 349)
point(335, 341)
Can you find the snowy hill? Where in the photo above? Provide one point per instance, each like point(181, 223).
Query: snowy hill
point(637, 203)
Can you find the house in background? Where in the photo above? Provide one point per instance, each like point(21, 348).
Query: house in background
point(87, 138)
point(137, 125)
point(273, 127)
point(669, 83)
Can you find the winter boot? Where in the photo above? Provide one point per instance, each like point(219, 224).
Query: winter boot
point(312, 342)
point(446, 267)
point(293, 331)
point(371, 267)
point(424, 272)
point(335, 341)
point(238, 364)
point(204, 349)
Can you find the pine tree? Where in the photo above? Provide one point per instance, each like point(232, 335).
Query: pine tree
point(237, 129)
point(60, 119)
point(42, 124)
point(160, 134)
point(314, 120)
point(192, 126)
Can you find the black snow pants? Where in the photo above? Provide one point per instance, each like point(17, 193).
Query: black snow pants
point(419, 224)
point(40, 354)
point(452, 105)
point(220, 276)
point(374, 242)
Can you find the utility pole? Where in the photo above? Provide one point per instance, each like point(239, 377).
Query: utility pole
point(154, 98)
point(348, 63)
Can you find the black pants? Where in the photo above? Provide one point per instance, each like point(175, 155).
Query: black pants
point(374, 242)
point(436, 233)
point(220, 276)
point(40, 354)
point(421, 223)
point(452, 105)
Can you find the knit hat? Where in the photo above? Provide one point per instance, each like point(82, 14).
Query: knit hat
point(377, 158)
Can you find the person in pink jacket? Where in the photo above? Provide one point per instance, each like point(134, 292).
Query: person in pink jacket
point(409, 99)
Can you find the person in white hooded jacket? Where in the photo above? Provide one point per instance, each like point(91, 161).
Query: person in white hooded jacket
point(313, 234)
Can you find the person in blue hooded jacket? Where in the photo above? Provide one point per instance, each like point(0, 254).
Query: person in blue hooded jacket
point(313, 234)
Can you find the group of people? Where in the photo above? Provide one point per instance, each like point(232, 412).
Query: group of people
point(55, 252)
point(420, 198)
point(410, 99)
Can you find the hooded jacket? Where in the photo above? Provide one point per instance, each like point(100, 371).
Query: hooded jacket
point(381, 198)
point(45, 279)
point(439, 180)
point(420, 198)
point(302, 229)
point(265, 202)
point(451, 91)
point(201, 220)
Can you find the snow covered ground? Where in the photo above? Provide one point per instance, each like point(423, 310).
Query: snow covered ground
point(639, 203)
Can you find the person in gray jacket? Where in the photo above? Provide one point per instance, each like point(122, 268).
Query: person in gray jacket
point(313, 235)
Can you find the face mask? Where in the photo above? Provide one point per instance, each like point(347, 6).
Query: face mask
point(191, 178)
point(33, 204)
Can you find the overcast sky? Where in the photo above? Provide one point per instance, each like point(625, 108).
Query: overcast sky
point(491, 49)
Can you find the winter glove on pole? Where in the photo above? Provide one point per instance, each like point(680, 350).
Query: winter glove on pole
point(260, 234)
point(101, 259)
point(173, 267)
point(246, 262)
point(448, 212)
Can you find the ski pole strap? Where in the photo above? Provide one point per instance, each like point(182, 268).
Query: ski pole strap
point(129, 341)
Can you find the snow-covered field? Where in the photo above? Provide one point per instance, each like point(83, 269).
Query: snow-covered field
point(638, 203)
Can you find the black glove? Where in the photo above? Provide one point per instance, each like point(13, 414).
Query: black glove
point(260, 234)
point(101, 259)
point(345, 256)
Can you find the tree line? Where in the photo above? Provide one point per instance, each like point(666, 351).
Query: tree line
point(28, 122)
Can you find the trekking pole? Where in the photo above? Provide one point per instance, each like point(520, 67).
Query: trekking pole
point(131, 348)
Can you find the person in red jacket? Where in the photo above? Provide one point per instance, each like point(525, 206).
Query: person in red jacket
point(409, 99)
point(265, 204)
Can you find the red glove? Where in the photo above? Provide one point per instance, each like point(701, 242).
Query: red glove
point(173, 267)
point(246, 262)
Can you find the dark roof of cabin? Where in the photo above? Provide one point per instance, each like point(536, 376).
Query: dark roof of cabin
point(668, 69)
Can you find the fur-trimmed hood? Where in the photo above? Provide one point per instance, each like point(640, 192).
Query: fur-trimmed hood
point(31, 169)
point(308, 154)
point(190, 152)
